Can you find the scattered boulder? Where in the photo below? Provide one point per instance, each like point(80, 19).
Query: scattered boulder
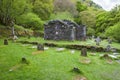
point(108, 56)
point(15, 37)
point(114, 50)
point(113, 56)
point(93, 54)
point(85, 60)
point(72, 51)
point(84, 52)
point(105, 56)
point(98, 40)
point(108, 48)
point(77, 70)
point(46, 48)
point(60, 49)
point(116, 54)
point(34, 46)
point(5, 42)
point(24, 60)
point(40, 47)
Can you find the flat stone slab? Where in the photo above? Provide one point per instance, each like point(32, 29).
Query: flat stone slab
point(34, 47)
point(72, 51)
point(46, 48)
point(60, 49)
point(116, 53)
point(92, 54)
point(85, 60)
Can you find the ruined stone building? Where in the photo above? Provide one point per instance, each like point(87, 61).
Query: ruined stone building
point(64, 30)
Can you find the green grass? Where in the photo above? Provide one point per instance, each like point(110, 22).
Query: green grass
point(103, 43)
point(52, 65)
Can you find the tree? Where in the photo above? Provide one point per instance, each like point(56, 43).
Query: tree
point(65, 5)
point(114, 32)
point(80, 6)
point(43, 8)
point(11, 9)
point(31, 21)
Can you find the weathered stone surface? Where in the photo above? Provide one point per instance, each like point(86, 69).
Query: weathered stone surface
point(24, 60)
point(105, 56)
point(84, 52)
point(85, 60)
point(77, 70)
point(64, 30)
point(108, 56)
point(40, 47)
point(5, 42)
point(60, 49)
point(98, 40)
point(108, 48)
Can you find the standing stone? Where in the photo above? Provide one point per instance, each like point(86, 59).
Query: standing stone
point(5, 42)
point(93, 37)
point(108, 48)
point(97, 40)
point(40, 47)
point(73, 34)
point(84, 52)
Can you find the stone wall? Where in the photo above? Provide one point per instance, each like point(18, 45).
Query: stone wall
point(64, 30)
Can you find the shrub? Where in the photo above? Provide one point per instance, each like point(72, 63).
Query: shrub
point(114, 32)
point(30, 20)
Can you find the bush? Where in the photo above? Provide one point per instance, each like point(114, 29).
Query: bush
point(30, 20)
point(90, 31)
point(114, 32)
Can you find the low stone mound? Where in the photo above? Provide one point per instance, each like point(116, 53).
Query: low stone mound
point(85, 60)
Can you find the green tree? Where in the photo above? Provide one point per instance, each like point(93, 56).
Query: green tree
point(11, 9)
point(114, 32)
point(107, 19)
point(43, 8)
point(80, 6)
point(65, 5)
point(30, 20)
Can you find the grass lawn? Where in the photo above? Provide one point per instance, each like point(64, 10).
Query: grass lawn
point(103, 43)
point(51, 64)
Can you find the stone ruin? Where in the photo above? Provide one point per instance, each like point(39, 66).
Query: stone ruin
point(64, 30)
